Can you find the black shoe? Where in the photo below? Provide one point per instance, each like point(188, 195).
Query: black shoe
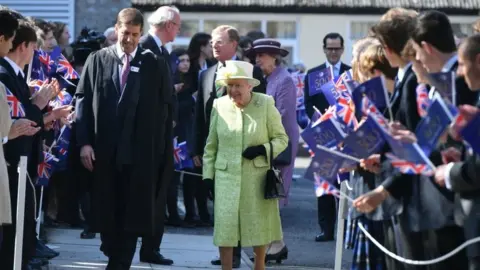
point(175, 222)
point(103, 249)
point(189, 223)
point(323, 237)
point(235, 264)
point(87, 235)
point(36, 263)
point(279, 256)
point(42, 251)
point(154, 257)
point(205, 223)
point(50, 223)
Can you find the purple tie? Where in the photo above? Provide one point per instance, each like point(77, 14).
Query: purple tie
point(125, 70)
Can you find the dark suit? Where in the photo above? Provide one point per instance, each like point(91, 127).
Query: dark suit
point(148, 42)
point(326, 207)
point(319, 100)
point(21, 146)
point(427, 208)
point(206, 94)
point(464, 182)
point(130, 152)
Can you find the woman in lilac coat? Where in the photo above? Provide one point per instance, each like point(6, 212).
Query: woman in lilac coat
point(281, 87)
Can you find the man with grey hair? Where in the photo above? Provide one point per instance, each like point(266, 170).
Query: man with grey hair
point(164, 27)
point(110, 36)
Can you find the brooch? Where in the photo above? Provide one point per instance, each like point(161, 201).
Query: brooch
point(257, 103)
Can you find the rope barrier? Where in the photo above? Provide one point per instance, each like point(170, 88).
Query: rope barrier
point(425, 262)
point(409, 261)
point(190, 173)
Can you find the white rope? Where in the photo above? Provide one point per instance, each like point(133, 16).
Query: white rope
point(190, 173)
point(426, 262)
point(409, 261)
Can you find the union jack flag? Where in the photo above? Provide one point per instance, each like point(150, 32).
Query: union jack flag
point(368, 108)
point(406, 167)
point(16, 108)
point(328, 114)
point(63, 98)
point(65, 69)
point(46, 168)
point(340, 83)
point(180, 155)
point(423, 102)
point(45, 59)
point(346, 112)
point(323, 187)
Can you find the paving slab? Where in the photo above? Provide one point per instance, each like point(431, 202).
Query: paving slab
point(187, 251)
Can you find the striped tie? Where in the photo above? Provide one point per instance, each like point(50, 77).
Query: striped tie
point(125, 71)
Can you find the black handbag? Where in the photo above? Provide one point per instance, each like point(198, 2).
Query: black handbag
point(285, 157)
point(273, 183)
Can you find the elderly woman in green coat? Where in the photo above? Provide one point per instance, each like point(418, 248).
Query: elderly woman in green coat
point(243, 127)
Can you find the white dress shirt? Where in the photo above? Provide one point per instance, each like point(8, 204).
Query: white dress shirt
point(448, 65)
point(157, 40)
point(402, 71)
point(335, 68)
point(17, 71)
point(121, 55)
point(15, 67)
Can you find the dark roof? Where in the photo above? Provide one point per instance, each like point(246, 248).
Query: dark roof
point(470, 7)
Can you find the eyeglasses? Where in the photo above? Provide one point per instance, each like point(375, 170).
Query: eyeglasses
point(330, 49)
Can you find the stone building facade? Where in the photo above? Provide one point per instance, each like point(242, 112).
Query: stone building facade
point(97, 14)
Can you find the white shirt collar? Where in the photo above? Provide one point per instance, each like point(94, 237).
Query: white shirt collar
point(402, 71)
point(220, 64)
point(337, 66)
point(121, 53)
point(157, 40)
point(449, 64)
point(15, 67)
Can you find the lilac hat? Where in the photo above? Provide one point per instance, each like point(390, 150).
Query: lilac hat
point(267, 45)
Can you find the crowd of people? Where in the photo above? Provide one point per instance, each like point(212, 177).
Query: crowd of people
point(234, 102)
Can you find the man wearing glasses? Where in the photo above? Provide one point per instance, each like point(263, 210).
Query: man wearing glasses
point(333, 49)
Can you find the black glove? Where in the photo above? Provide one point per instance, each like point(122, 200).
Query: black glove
point(254, 151)
point(210, 188)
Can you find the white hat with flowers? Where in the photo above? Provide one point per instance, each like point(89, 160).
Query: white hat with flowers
point(234, 69)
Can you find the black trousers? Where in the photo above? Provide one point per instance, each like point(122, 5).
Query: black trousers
point(119, 243)
point(327, 214)
point(172, 197)
point(431, 244)
point(194, 189)
point(7, 247)
point(390, 243)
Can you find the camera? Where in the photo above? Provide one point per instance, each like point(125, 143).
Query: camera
point(87, 42)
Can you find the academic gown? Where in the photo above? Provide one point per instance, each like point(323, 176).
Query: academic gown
point(125, 129)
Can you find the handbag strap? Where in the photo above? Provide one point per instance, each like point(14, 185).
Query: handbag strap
point(271, 154)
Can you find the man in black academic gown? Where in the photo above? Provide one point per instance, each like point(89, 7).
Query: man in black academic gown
point(121, 119)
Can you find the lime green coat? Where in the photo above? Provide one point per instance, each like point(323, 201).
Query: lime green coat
point(241, 212)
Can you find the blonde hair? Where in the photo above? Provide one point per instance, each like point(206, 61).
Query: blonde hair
point(398, 11)
point(358, 48)
point(476, 26)
point(232, 32)
point(373, 58)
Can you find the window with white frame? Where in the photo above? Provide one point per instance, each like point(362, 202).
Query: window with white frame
point(284, 31)
point(464, 28)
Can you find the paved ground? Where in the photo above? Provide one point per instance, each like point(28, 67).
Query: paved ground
point(193, 248)
point(299, 221)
